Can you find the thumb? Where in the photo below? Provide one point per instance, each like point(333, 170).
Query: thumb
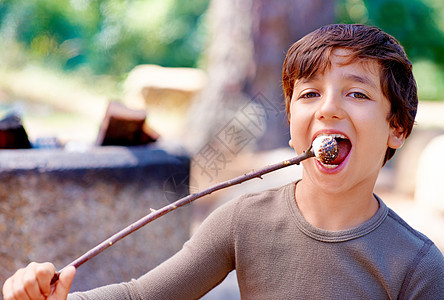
point(63, 285)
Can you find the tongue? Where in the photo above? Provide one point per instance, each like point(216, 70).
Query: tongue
point(344, 148)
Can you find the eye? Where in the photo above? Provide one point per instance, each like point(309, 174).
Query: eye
point(358, 95)
point(309, 95)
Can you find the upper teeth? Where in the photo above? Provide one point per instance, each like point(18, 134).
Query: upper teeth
point(334, 135)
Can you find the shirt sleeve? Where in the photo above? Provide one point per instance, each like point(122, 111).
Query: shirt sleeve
point(203, 262)
point(427, 281)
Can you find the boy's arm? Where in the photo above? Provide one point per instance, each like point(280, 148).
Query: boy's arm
point(204, 261)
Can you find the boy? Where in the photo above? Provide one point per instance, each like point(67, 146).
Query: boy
point(326, 236)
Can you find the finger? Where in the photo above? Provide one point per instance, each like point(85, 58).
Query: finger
point(7, 289)
point(18, 291)
point(31, 284)
point(44, 273)
point(63, 285)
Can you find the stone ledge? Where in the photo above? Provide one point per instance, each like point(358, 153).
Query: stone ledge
point(56, 205)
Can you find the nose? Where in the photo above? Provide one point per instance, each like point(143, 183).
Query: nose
point(330, 107)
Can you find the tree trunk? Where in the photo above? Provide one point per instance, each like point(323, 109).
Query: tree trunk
point(276, 26)
point(249, 39)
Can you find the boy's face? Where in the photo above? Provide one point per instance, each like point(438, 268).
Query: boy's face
point(345, 101)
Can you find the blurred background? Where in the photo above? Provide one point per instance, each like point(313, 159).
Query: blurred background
point(61, 61)
point(207, 73)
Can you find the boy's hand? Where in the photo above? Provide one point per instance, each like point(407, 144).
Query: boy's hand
point(34, 282)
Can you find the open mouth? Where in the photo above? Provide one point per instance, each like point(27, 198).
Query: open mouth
point(344, 146)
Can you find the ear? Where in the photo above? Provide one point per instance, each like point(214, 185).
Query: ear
point(396, 138)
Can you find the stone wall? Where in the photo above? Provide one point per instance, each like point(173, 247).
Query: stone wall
point(56, 205)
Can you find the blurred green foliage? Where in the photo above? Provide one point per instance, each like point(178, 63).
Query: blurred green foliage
point(105, 36)
point(417, 24)
point(112, 36)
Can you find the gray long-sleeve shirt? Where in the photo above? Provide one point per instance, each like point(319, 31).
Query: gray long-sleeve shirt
point(279, 255)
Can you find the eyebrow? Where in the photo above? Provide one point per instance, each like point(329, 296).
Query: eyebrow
point(360, 79)
point(350, 77)
point(305, 80)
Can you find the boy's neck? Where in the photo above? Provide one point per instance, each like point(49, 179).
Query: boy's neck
point(335, 212)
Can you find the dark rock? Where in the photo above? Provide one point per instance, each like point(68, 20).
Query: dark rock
point(12, 133)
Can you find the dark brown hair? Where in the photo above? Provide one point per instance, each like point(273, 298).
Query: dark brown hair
point(311, 55)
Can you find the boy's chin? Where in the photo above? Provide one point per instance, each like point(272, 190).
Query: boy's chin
point(328, 185)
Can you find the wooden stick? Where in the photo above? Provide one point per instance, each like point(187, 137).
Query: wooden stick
point(181, 202)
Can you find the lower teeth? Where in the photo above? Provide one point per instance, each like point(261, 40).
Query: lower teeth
point(328, 166)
